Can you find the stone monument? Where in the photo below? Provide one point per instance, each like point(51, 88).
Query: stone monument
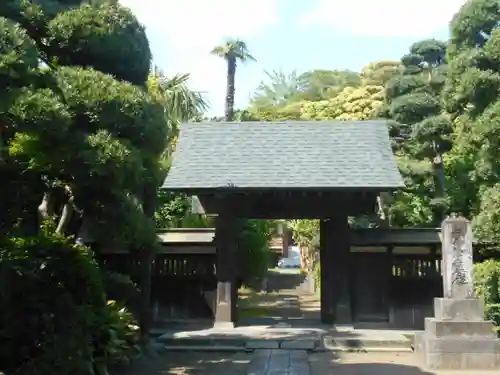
point(458, 337)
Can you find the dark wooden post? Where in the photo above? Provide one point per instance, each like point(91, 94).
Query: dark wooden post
point(339, 246)
point(226, 240)
point(326, 262)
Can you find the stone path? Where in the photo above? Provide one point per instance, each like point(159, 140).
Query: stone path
point(286, 362)
point(376, 364)
point(191, 363)
point(279, 362)
point(288, 293)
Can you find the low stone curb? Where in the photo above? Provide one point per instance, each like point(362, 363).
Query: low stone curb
point(339, 349)
point(206, 348)
point(320, 344)
point(277, 346)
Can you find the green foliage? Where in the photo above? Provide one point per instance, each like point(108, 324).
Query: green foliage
point(18, 55)
point(413, 108)
point(48, 287)
point(487, 221)
point(471, 95)
point(106, 37)
point(93, 140)
point(304, 231)
point(360, 103)
point(306, 234)
point(486, 280)
point(84, 142)
point(423, 133)
point(322, 94)
point(121, 335)
point(472, 25)
point(119, 287)
point(378, 73)
point(281, 89)
point(180, 102)
point(317, 276)
point(254, 253)
point(318, 85)
point(172, 208)
point(487, 287)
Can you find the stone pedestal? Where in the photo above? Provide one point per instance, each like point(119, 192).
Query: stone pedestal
point(458, 337)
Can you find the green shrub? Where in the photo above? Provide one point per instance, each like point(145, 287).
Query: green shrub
point(487, 286)
point(492, 312)
point(121, 338)
point(119, 287)
point(54, 317)
point(486, 280)
point(317, 275)
point(254, 253)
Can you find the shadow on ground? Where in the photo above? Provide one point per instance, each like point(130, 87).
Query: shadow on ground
point(368, 364)
point(197, 363)
point(190, 363)
point(280, 280)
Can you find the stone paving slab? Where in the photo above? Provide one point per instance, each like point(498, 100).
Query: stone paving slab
point(279, 362)
point(190, 363)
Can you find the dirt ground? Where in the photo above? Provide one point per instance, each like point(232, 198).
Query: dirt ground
point(192, 363)
point(375, 364)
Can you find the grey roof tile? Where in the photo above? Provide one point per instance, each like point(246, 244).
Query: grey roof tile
point(292, 154)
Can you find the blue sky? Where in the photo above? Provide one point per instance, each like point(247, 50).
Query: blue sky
point(283, 34)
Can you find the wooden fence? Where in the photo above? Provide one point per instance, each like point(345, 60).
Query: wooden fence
point(183, 273)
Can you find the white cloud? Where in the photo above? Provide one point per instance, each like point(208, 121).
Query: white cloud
point(384, 17)
point(193, 28)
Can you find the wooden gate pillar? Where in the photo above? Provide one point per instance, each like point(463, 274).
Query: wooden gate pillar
point(335, 270)
point(326, 279)
point(341, 249)
point(226, 242)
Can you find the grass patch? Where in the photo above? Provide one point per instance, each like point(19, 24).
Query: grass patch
point(253, 304)
point(250, 312)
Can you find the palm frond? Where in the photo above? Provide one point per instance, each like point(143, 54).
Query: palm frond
point(235, 49)
point(181, 103)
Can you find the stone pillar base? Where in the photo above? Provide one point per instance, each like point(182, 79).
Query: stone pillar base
point(224, 325)
point(458, 338)
point(343, 314)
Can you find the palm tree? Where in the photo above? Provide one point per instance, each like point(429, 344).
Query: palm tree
point(233, 50)
point(181, 103)
point(280, 89)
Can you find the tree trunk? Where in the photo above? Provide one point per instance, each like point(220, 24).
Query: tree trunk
point(382, 214)
point(66, 215)
point(46, 207)
point(230, 90)
point(146, 256)
point(67, 212)
point(438, 172)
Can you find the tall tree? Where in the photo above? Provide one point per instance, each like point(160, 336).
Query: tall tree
point(325, 84)
point(279, 89)
point(379, 72)
point(233, 51)
point(413, 100)
point(82, 125)
point(472, 97)
point(181, 102)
